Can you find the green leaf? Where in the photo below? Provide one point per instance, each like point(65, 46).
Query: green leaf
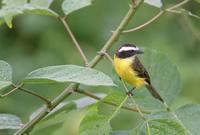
point(14, 2)
point(120, 133)
point(115, 97)
point(155, 3)
point(138, 130)
point(94, 123)
point(164, 77)
point(13, 8)
point(71, 123)
point(70, 6)
point(42, 3)
point(69, 73)
point(54, 119)
point(5, 75)
point(160, 126)
point(166, 127)
point(9, 121)
point(189, 115)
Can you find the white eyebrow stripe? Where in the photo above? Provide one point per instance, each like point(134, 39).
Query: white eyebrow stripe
point(128, 49)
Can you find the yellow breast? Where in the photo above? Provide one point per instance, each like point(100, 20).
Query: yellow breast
point(124, 69)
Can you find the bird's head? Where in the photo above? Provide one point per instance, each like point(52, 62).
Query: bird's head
point(128, 50)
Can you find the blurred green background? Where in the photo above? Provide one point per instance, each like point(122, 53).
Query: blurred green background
point(38, 41)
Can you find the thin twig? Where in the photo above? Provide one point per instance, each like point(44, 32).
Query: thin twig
point(10, 92)
point(89, 94)
point(184, 11)
point(148, 128)
point(107, 56)
point(178, 5)
point(170, 9)
point(48, 102)
point(68, 91)
point(146, 23)
point(67, 28)
point(134, 102)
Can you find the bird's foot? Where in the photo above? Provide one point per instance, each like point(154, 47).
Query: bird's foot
point(130, 92)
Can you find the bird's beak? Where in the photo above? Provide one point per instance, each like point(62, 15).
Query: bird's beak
point(140, 51)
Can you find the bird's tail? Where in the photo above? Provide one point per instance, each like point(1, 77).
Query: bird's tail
point(154, 93)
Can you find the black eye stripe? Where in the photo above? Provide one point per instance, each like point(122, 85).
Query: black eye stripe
point(126, 54)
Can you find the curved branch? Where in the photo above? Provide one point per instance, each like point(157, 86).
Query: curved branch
point(146, 23)
point(170, 9)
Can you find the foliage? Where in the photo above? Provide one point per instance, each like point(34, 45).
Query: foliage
point(84, 116)
point(9, 121)
point(68, 73)
point(5, 75)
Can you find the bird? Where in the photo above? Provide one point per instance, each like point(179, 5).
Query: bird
point(130, 69)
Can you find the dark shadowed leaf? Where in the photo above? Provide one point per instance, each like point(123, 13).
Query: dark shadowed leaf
point(69, 73)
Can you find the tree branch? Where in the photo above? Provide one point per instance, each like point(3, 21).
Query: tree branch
point(72, 87)
point(170, 9)
point(67, 28)
point(116, 33)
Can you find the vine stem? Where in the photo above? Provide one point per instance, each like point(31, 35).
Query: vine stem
point(20, 87)
point(138, 108)
point(117, 109)
point(170, 9)
point(72, 87)
point(148, 128)
point(115, 112)
point(67, 28)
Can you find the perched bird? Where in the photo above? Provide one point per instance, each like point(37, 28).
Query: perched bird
point(130, 69)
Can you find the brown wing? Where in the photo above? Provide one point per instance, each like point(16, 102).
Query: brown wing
point(141, 71)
